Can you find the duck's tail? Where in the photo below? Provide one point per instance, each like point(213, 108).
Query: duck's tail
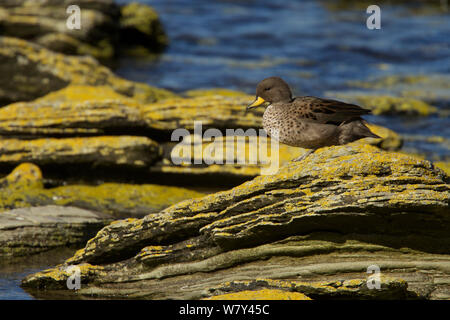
point(355, 130)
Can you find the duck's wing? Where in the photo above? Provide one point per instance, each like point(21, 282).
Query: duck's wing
point(326, 110)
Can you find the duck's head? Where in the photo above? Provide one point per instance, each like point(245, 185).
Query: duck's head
point(272, 90)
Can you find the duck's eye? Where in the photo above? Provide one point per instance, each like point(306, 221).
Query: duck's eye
point(267, 89)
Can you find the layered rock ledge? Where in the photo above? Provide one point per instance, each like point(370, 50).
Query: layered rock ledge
point(105, 27)
point(27, 231)
point(322, 222)
point(24, 187)
point(35, 71)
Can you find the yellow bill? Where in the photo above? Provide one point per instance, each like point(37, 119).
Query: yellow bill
point(258, 101)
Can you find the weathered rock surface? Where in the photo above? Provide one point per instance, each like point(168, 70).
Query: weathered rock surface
point(390, 105)
point(80, 109)
point(27, 231)
point(104, 151)
point(431, 88)
point(100, 35)
point(140, 27)
point(411, 95)
point(24, 187)
point(30, 71)
point(323, 220)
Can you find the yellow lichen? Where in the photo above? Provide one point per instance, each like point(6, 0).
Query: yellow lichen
point(263, 294)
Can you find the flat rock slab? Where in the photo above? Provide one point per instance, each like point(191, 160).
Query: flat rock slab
point(32, 230)
point(325, 219)
point(108, 151)
point(24, 187)
point(94, 109)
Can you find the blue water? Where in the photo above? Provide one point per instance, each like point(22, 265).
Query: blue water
point(13, 271)
point(10, 285)
point(314, 47)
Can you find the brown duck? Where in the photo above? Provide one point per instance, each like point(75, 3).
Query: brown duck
point(308, 122)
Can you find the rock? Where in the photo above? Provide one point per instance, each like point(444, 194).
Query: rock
point(268, 289)
point(81, 109)
point(34, 71)
point(27, 231)
point(216, 92)
point(262, 294)
point(390, 140)
point(415, 95)
point(74, 110)
point(326, 219)
point(37, 20)
point(431, 88)
point(24, 187)
point(140, 26)
point(445, 166)
point(213, 111)
point(25, 175)
point(100, 35)
point(103, 151)
point(390, 105)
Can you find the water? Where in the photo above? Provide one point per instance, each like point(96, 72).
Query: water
point(13, 271)
point(316, 47)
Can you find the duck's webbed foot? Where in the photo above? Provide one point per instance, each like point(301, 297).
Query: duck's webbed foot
point(304, 156)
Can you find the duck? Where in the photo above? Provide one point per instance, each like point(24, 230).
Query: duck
point(308, 122)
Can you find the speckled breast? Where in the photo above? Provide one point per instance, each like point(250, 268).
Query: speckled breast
point(293, 131)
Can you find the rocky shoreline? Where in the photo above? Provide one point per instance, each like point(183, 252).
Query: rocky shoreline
point(81, 147)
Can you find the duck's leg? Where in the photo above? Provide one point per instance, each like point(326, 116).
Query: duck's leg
point(304, 156)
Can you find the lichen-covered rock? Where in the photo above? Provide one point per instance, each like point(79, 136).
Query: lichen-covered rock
point(412, 95)
point(327, 218)
point(36, 20)
point(25, 175)
point(24, 187)
point(261, 294)
point(140, 26)
point(106, 151)
point(30, 71)
point(445, 166)
point(269, 289)
point(74, 110)
point(390, 105)
point(215, 92)
point(87, 109)
point(213, 111)
point(390, 140)
point(431, 88)
point(28, 231)
point(105, 26)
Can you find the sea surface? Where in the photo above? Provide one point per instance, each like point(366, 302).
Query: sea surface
point(318, 47)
